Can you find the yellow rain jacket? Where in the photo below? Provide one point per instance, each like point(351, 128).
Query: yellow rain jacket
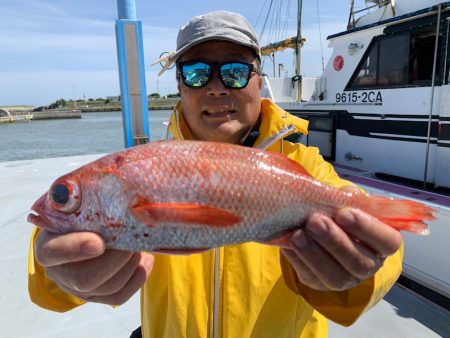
point(247, 290)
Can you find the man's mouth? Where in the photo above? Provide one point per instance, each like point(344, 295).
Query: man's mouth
point(219, 113)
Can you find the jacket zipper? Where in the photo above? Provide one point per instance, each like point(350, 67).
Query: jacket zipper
point(216, 289)
point(271, 140)
point(216, 295)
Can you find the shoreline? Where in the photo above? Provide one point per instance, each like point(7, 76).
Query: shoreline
point(90, 106)
point(20, 112)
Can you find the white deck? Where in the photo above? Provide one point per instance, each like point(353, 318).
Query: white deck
point(400, 314)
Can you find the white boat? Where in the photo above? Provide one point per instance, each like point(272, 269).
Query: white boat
point(373, 104)
point(379, 111)
point(7, 117)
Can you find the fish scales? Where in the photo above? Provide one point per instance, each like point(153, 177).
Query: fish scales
point(188, 196)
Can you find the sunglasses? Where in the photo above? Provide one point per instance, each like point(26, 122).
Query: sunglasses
point(197, 74)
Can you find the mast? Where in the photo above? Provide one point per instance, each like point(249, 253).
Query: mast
point(298, 51)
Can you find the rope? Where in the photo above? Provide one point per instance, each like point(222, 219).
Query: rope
point(320, 35)
point(288, 7)
point(260, 14)
point(265, 22)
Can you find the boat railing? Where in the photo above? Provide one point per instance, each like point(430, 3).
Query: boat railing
point(370, 5)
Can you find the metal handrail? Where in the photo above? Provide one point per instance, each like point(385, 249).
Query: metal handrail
point(433, 84)
point(366, 9)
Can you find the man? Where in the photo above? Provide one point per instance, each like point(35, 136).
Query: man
point(334, 268)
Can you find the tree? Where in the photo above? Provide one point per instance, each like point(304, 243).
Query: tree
point(154, 96)
point(58, 104)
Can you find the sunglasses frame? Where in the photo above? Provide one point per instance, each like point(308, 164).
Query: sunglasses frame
point(215, 66)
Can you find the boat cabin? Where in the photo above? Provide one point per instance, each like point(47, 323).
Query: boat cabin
point(382, 103)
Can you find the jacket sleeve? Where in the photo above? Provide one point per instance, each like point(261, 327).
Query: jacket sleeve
point(345, 307)
point(342, 307)
point(43, 291)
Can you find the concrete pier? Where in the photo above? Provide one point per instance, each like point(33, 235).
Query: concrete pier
point(57, 114)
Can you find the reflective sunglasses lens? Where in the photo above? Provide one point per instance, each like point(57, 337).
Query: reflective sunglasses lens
point(235, 75)
point(196, 74)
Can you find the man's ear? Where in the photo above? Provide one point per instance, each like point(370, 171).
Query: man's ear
point(178, 86)
point(260, 81)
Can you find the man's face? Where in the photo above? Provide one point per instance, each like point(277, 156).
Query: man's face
point(214, 112)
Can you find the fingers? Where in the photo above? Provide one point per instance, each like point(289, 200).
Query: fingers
point(304, 274)
point(136, 281)
point(118, 281)
point(122, 285)
point(88, 275)
point(56, 249)
point(333, 244)
point(79, 264)
point(327, 270)
point(338, 254)
point(375, 234)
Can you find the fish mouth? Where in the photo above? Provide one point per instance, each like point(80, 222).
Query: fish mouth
point(40, 221)
point(38, 218)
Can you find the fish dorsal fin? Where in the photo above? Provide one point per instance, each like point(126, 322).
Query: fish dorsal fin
point(285, 162)
point(154, 213)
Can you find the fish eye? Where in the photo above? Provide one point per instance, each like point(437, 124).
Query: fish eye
point(64, 195)
point(60, 194)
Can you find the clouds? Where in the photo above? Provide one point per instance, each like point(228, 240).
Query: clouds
point(62, 48)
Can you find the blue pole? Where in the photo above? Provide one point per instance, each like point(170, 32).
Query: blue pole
point(130, 56)
point(126, 9)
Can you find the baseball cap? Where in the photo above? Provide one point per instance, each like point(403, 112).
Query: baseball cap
point(219, 25)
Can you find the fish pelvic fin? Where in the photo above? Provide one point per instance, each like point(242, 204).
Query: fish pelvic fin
point(401, 214)
point(153, 213)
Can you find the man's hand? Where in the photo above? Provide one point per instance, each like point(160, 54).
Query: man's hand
point(79, 264)
point(337, 254)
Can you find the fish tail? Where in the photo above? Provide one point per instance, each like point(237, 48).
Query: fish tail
point(401, 214)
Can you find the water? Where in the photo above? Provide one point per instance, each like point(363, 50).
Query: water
point(94, 133)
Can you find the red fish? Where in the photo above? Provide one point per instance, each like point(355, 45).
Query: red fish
point(190, 196)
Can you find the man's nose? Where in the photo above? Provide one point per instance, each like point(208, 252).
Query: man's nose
point(215, 87)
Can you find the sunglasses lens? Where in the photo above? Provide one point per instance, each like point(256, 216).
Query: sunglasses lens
point(235, 74)
point(196, 74)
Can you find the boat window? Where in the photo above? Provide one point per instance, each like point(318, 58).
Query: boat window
point(367, 72)
point(398, 60)
point(422, 55)
point(393, 61)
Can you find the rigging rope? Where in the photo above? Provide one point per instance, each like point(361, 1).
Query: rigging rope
point(320, 35)
point(288, 7)
point(273, 21)
point(278, 22)
point(259, 16)
point(265, 22)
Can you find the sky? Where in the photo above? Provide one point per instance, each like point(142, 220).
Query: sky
point(52, 49)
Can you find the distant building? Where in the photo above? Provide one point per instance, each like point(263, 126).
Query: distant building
point(113, 98)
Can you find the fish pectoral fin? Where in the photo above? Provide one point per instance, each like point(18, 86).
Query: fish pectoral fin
point(153, 213)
